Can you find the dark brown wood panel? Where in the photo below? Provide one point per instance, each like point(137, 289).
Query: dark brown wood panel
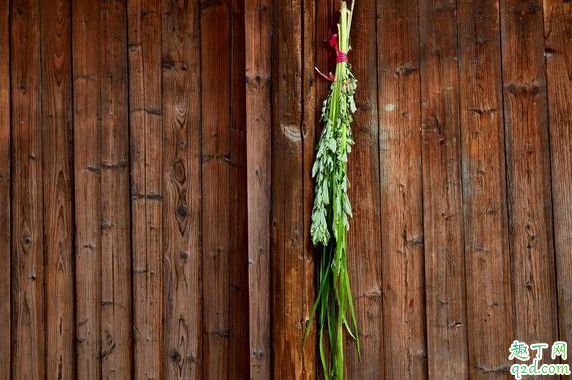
point(558, 37)
point(216, 188)
point(102, 117)
point(442, 199)
point(116, 294)
point(5, 242)
point(528, 169)
point(146, 141)
point(405, 351)
point(181, 189)
point(58, 188)
point(27, 251)
point(288, 234)
point(308, 129)
point(258, 161)
point(489, 305)
point(87, 186)
point(239, 365)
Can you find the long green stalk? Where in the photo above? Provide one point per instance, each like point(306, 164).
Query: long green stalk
point(332, 208)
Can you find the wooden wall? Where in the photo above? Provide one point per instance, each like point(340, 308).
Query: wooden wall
point(155, 189)
point(460, 240)
point(123, 189)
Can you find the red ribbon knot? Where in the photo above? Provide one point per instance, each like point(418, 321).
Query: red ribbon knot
point(340, 57)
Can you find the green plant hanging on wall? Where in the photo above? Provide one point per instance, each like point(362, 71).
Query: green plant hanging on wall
point(333, 308)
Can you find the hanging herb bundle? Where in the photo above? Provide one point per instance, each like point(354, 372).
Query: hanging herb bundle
point(333, 308)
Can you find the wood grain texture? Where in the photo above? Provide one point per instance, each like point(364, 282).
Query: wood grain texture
point(28, 301)
point(87, 186)
point(405, 351)
point(528, 167)
point(287, 193)
point(442, 198)
point(116, 300)
point(258, 42)
point(216, 147)
point(5, 199)
point(155, 187)
point(239, 365)
point(310, 108)
point(181, 184)
point(489, 304)
point(58, 188)
point(146, 143)
point(558, 38)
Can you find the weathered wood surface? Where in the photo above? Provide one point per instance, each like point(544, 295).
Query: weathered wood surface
point(146, 134)
point(489, 304)
point(58, 191)
point(216, 190)
point(288, 233)
point(310, 114)
point(558, 39)
point(116, 294)
point(27, 248)
point(442, 199)
point(528, 173)
point(87, 170)
point(258, 19)
point(156, 194)
point(181, 189)
point(5, 242)
point(405, 351)
point(108, 127)
point(239, 364)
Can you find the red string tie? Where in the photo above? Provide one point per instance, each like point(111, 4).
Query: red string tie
point(340, 57)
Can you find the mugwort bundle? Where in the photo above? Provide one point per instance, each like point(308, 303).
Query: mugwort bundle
point(333, 308)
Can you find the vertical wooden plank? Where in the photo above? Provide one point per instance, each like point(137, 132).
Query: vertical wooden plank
point(489, 305)
point(287, 192)
point(442, 198)
point(405, 352)
point(364, 236)
point(258, 158)
point(558, 37)
point(308, 132)
point(146, 131)
point(28, 323)
point(87, 154)
point(116, 337)
point(216, 98)
point(58, 193)
point(182, 188)
point(528, 166)
point(238, 228)
point(5, 262)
